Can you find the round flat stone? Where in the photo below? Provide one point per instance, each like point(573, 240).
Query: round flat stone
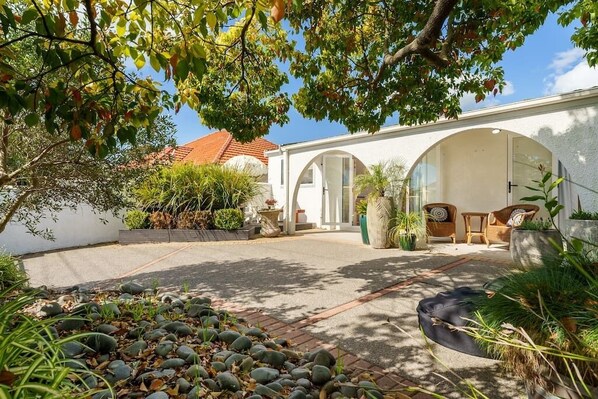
point(196, 371)
point(228, 336)
point(50, 309)
point(264, 375)
point(228, 382)
point(101, 343)
point(320, 374)
point(164, 348)
point(241, 344)
point(172, 363)
point(178, 328)
point(135, 348)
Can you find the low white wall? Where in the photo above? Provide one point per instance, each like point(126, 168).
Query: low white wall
point(71, 229)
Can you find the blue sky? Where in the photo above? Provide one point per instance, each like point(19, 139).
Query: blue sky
point(547, 64)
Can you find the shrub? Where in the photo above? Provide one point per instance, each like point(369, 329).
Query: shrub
point(161, 220)
point(537, 225)
point(189, 187)
point(201, 220)
point(228, 219)
point(10, 273)
point(584, 215)
point(33, 365)
point(136, 219)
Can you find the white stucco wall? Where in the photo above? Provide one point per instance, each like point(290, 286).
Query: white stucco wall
point(72, 229)
point(567, 125)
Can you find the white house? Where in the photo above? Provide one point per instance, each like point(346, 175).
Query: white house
point(479, 162)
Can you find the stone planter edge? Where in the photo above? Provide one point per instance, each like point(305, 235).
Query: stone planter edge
point(138, 236)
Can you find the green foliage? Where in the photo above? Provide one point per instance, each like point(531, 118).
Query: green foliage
point(31, 356)
point(228, 219)
point(189, 187)
point(136, 219)
point(538, 225)
point(556, 307)
point(362, 207)
point(64, 175)
point(383, 178)
point(407, 223)
point(10, 273)
point(361, 63)
point(584, 215)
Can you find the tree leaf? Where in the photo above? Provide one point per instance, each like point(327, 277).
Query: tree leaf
point(32, 119)
point(532, 198)
point(29, 15)
point(154, 62)
point(211, 20)
point(140, 61)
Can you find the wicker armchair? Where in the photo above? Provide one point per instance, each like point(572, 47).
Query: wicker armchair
point(498, 228)
point(447, 228)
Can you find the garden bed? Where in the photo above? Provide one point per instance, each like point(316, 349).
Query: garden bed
point(137, 236)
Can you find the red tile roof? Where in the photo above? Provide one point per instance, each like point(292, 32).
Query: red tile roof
point(219, 147)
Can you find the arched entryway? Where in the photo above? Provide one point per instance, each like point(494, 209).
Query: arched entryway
point(324, 192)
point(480, 170)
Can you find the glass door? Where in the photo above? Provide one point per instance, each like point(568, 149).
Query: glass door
point(526, 157)
point(337, 204)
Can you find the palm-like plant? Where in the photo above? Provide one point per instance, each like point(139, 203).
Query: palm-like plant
point(384, 177)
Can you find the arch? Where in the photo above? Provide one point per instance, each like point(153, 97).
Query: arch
point(479, 170)
point(318, 181)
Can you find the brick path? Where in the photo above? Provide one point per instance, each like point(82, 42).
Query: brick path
point(392, 383)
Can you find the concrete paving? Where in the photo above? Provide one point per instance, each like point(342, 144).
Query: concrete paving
point(300, 277)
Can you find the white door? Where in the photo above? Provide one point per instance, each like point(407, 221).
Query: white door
point(337, 202)
point(526, 155)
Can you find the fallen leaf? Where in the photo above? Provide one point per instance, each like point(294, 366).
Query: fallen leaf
point(569, 324)
point(156, 385)
point(173, 391)
point(143, 388)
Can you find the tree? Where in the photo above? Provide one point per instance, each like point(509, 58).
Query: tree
point(362, 61)
point(48, 173)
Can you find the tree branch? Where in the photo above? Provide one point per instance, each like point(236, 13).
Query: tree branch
point(16, 204)
point(5, 179)
point(424, 42)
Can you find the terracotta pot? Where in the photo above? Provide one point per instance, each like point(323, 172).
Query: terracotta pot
point(378, 216)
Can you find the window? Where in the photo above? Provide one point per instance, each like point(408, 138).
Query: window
point(282, 172)
point(308, 176)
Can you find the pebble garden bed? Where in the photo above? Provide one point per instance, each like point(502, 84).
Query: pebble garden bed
point(147, 343)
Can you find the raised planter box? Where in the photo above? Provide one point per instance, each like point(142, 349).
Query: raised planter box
point(138, 236)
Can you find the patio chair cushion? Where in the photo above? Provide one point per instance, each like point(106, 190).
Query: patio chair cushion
point(517, 217)
point(438, 214)
point(452, 308)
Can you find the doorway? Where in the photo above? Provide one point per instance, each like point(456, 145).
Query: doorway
point(337, 192)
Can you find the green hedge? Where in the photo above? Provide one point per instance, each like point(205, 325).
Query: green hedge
point(228, 219)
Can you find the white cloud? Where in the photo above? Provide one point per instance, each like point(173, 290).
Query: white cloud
point(563, 61)
point(468, 102)
point(580, 76)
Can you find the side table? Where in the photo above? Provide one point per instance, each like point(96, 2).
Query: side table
point(468, 230)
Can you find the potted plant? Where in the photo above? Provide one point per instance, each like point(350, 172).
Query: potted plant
point(362, 209)
point(408, 227)
point(382, 183)
point(583, 225)
point(535, 243)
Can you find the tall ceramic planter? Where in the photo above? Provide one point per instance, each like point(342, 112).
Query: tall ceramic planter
point(363, 226)
point(379, 212)
point(534, 248)
point(586, 230)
